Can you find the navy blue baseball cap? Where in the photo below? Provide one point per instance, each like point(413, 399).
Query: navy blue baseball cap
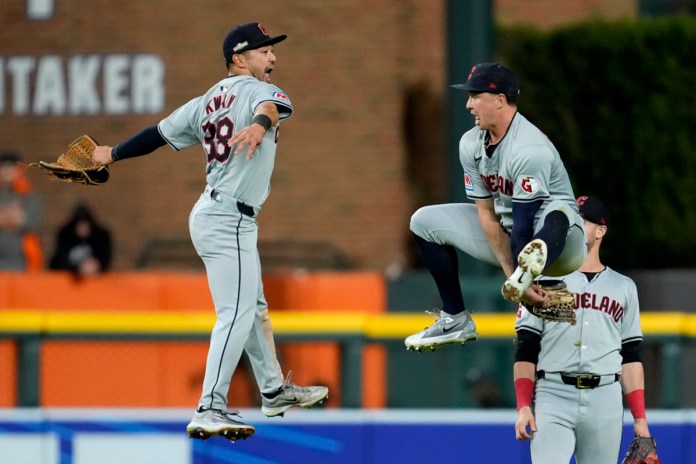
point(492, 78)
point(247, 36)
point(593, 210)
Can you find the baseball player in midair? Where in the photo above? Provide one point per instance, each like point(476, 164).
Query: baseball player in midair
point(237, 122)
point(524, 219)
point(569, 378)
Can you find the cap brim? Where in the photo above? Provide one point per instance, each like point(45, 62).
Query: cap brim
point(271, 41)
point(467, 88)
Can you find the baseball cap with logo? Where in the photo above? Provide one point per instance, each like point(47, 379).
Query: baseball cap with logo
point(492, 78)
point(247, 36)
point(593, 210)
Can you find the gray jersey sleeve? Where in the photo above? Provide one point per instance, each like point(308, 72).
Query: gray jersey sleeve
point(630, 327)
point(271, 93)
point(470, 153)
point(528, 321)
point(530, 169)
point(179, 128)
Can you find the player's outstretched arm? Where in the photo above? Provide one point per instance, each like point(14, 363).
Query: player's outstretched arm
point(142, 143)
point(102, 155)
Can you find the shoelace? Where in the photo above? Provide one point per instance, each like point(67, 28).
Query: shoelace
point(436, 313)
point(231, 414)
point(289, 385)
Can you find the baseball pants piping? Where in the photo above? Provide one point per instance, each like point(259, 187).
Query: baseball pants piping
point(226, 241)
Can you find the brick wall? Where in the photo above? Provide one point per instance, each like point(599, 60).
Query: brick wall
point(359, 72)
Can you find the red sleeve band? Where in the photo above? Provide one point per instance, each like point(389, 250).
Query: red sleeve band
point(524, 388)
point(636, 403)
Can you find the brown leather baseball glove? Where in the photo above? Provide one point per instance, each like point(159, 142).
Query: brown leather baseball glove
point(559, 305)
point(77, 164)
point(642, 450)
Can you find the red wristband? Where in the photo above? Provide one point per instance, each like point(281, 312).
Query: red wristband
point(524, 388)
point(636, 403)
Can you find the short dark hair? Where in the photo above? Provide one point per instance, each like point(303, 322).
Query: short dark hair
point(9, 156)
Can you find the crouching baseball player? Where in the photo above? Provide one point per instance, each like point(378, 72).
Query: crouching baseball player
point(524, 219)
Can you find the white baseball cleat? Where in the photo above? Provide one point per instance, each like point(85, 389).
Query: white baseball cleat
point(210, 422)
point(447, 329)
point(291, 395)
point(530, 264)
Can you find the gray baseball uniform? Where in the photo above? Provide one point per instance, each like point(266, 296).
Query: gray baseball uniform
point(224, 229)
point(524, 167)
point(584, 421)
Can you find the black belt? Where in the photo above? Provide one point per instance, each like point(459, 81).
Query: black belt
point(241, 207)
point(581, 381)
point(245, 209)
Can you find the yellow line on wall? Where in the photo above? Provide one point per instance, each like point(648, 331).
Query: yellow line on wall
point(308, 323)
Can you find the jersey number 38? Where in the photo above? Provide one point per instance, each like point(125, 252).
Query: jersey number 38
point(216, 134)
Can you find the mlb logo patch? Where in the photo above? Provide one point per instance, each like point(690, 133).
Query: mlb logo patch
point(224, 88)
point(468, 184)
point(280, 96)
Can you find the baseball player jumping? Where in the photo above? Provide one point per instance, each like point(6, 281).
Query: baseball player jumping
point(524, 208)
point(568, 378)
point(237, 123)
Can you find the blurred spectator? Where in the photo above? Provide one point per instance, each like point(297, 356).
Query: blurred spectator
point(20, 218)
point(483, 389)
point(83, 246)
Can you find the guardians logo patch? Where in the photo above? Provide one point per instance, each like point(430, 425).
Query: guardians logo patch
point(528, 184)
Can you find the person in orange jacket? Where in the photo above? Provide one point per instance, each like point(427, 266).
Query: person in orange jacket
point(20, 218)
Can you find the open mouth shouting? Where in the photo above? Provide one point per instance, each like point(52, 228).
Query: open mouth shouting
point(267, 74)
